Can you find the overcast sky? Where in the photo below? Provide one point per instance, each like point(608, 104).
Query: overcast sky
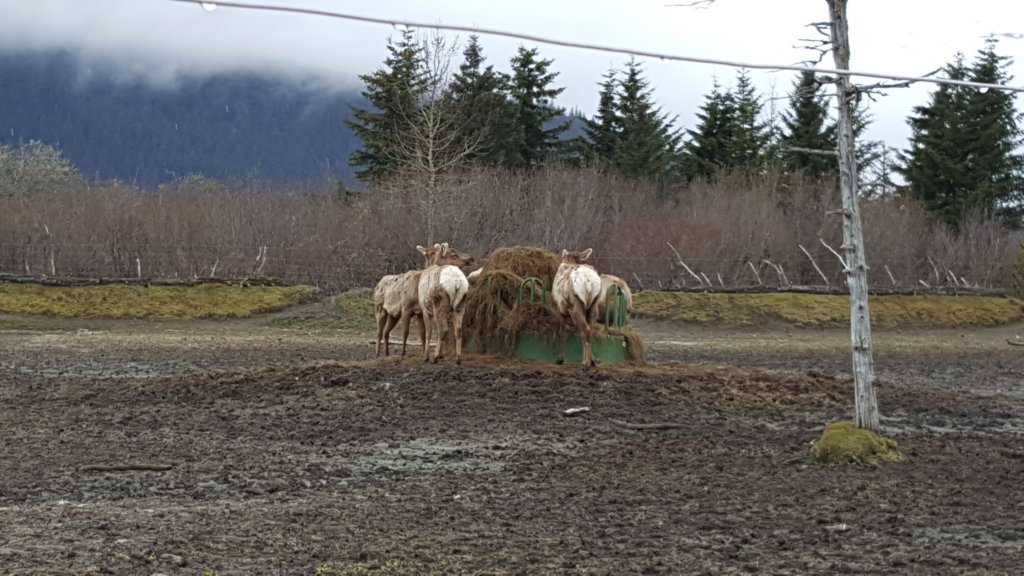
point(160, 40)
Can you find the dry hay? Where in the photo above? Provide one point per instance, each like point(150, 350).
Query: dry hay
point(525, 261)
point(492, 309)
point(634, 345)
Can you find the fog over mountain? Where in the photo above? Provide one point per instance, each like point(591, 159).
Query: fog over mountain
point(225, 125)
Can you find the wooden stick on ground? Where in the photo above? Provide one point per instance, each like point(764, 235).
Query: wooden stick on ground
point(125, 467)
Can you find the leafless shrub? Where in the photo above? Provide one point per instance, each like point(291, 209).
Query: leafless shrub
point(725, 230)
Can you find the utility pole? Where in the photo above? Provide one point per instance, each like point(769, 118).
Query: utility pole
point(865, 403)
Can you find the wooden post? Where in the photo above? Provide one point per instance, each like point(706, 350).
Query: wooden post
point(865, 403)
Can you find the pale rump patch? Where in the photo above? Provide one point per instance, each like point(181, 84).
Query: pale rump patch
point(586, 285)
point(448, 279)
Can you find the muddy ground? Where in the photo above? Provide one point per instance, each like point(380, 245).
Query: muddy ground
point(293, 452)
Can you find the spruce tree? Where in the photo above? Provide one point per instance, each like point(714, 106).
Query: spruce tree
point(480, 95)
point(535, 139)
point(963, 158)
point(994, 167)
point(749, 143)
point(602, 131)
point(394, 91)
point(806, 125)
point(707, 149)
point(934, 168)
point(647, 145)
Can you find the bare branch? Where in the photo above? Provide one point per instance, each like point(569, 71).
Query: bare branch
point(815, 264)
point(683, 264)
point(756, 275)
point(846, 268)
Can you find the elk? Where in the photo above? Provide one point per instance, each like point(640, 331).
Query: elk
point(442, 297)
point(396, 298)
point(607, 281)
point(576, 290)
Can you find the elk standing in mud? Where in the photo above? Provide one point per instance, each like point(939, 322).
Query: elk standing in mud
point(576, 290)
point(396, 298)
point(442, 297)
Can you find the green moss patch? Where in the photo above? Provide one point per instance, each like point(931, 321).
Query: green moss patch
point(844, 443)
point(826, 310)
point(119, 301)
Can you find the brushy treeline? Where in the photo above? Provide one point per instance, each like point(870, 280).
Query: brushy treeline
point(738, 231)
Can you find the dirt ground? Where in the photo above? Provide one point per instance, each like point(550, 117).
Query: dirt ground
point(295, 452)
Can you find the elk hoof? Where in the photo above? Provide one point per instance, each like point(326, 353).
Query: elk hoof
point(433, 360)
point(458, 361)
point(560, 361)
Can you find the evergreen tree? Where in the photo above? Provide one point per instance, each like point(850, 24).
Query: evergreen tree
point(805, 125)
point(994, 167)
point(749, 144)
point(962, 159)
point(707, 150)
point(933, 167)
point(395, 92)
point(480, 95)
point(646, 143)
point(535, 139)
point(602, 131)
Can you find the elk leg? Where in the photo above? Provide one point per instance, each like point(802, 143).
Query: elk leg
point(380, 330)
point(428, 322)
point(457, 329)
point(388, 327)
point(406, 316)
point(580, 321)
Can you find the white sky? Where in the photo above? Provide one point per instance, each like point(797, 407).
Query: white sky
point(160, 40)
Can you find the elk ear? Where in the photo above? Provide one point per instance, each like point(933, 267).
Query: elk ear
point(445, 249)
point(586, 253)
point(564, 252)
point(421, 249)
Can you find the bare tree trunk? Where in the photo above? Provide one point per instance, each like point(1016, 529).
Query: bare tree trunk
point(865, 403)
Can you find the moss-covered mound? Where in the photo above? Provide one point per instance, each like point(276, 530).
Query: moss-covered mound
point(844, 443)
point(215, 300)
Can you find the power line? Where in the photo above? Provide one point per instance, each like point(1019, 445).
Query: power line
point(596, 47)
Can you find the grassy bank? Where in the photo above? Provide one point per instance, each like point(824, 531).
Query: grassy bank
point(356, 308)
point(821, 310)
point(118, 301)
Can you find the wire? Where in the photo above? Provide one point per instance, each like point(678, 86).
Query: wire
point(598, 47)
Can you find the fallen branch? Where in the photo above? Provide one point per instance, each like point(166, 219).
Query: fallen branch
point(1015, 343)
point(652, 426)
point(126, 467)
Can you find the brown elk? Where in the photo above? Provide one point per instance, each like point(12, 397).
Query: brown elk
point(612, 301)
point(396, 298)
point(442, 297)
point(576, 290)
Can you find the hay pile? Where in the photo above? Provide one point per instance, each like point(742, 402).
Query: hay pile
point(492, 305)
point(492, 309)
point(525, 261)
